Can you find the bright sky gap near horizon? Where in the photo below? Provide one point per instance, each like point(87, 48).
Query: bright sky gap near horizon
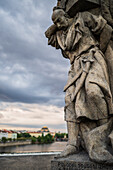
point(32, 74)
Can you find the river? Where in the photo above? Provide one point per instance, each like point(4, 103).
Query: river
point(53, 147)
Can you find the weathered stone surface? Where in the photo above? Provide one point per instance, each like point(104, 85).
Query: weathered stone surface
point(96, 142)
point(62, 3)
point(111, 7)
point(74, 6)
point(111, 138)
point(78, 161)
point(86, 40)
point(107, 10)
point(26, 162)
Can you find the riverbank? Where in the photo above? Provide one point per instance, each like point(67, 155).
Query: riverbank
point(27, 161)
point(15, 143)
point(33, 148)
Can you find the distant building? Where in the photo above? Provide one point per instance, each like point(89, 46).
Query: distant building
point(8, 134)
point(12, 135)
point(45, 130)
point(3, 134)
point(36, 134)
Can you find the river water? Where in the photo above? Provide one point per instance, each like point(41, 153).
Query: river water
point(53, 147)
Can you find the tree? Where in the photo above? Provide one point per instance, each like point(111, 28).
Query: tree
point(33, 140)
point(4, 139)
point(39, 139)
point(59, 135)
point(45, 139)
point(9, 139)
point(19, 135)
point(25, 135)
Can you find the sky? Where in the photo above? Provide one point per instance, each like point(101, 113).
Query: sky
point(32, 74)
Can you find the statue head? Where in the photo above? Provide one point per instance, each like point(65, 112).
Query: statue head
point(60, 18)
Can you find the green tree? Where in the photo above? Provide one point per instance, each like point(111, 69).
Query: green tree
point(19, 135)
point(45, 139)
point(39, 139)
point(60, 136)
point(33, 140)
point(49, 138)
point(42, 139)
point(9, 139)
point(25, 135)
point(4, 139)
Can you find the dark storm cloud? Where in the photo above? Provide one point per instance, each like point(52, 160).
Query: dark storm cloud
point(30, 70)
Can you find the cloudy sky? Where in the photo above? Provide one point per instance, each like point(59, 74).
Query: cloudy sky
point(32, 74)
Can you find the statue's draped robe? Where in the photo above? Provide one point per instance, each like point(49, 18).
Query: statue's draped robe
point(83, 43)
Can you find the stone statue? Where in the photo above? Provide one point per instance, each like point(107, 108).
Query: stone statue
point(86, 40)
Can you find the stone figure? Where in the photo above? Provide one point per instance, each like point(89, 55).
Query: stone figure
point(107, 10)
point(86, 40)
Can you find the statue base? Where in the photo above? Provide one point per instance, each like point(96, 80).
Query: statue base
point(78, 161)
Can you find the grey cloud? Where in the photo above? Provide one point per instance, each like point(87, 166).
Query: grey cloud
point(1, 115)
point(60, 126)
point(37, 116)
point(30, 70)
point(16, 96)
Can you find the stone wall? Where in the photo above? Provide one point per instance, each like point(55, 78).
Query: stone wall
point(32, 162)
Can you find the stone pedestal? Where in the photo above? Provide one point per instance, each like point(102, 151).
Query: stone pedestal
point(78, 161)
